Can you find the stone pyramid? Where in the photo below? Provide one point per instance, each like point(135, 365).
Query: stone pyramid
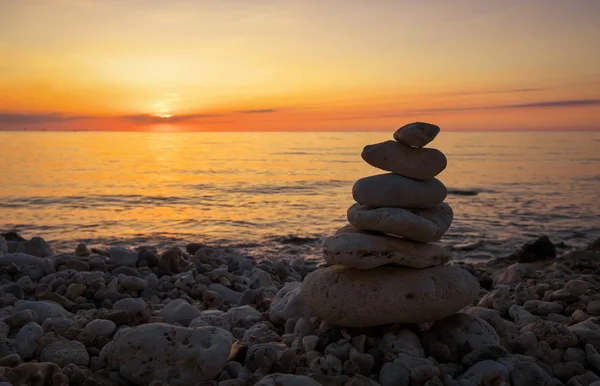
point(384, 266)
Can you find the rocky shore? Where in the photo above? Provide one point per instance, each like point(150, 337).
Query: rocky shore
point(206, 316)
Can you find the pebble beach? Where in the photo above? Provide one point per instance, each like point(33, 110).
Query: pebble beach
point(198, 315)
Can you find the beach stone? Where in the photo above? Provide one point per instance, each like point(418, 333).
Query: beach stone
point(589, 327)
point(513, 273)
point(403, 341)
point(237, 315)
point(29, 265)
point(64, 352)
point(456, 331)
point(358, 298)
point(37, 246)
point(479, 370)
point(527, 374)
point(416, 134)
point(391, 156)
point(288, 303)
point(167, 353)
point(539, 249)
point(28, 338)
point(20, 318)
point(394, 374)
point(59, 325)
point(130, 311)
point(36, 374)
point(82, 250)
point(392, 190)
point(179, 311)
point(3, 246)
point(423, 225)
point(354, 248)
point(229, 295)
point(44, 309)
point(132, 283)
point(74, 290)
point(101, 327)
point(123, 257)
point(555, 334)
point(492, 317)
point(279, 379)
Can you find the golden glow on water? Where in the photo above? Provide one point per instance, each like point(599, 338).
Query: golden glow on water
point(245, 187)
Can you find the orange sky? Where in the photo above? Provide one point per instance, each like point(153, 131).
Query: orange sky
point(299, 65)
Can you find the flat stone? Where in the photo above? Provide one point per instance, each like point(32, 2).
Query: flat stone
point(162, 352)
point(43, 309)
point(391, 156)
point(123, 257)
point(422, 225)
point(457, 331)
point(3, 246)
point(392, 190)
point(417, 134)
point(479, 370)
point(357, 298)
point(364, 250)
point(287, 379)
point(101, 327)
point(33, 266)
point(288, 304)
point(27, 339)
point(64, 352)
point(179, 311)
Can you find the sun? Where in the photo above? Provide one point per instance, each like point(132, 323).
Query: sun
point(162, 110)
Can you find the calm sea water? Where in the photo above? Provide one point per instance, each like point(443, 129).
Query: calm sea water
point(278, 194)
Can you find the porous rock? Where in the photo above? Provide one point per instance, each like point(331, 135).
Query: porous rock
point(423, 225)
point(358, 298)
point(417, 134)
point(167, 353)
point(391, 156)
point(392, 190)
point(354, 248)
point(458, 330)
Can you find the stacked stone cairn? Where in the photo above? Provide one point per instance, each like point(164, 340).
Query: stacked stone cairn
point(384, 266)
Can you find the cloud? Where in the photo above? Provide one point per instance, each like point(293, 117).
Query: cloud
point(150, 119)
point(259, 111)
point(488, 92)
point(533, 105)
point(563, 103)
point(32, 119)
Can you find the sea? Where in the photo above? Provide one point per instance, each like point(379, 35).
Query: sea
point(276, 195)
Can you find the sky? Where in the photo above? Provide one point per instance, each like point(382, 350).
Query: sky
point(194, 65)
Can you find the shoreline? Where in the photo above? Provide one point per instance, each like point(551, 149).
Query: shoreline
point(79, 313)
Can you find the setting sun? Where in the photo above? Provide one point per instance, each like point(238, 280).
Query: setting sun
point(298, 66)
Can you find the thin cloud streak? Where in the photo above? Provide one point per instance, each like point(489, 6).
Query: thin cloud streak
point(258, 111)
point(21, 119)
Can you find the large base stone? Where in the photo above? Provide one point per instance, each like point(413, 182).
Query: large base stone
point(389, 294)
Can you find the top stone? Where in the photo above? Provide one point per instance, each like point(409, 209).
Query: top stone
point(416, 134)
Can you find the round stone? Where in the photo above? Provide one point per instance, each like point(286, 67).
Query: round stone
point(417, 134)
point(423, 225)
point(392, 190)
point(417, 163)
point(353, 248)
point(383, 295)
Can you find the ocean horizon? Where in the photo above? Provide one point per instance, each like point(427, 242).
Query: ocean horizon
point(277, 195)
